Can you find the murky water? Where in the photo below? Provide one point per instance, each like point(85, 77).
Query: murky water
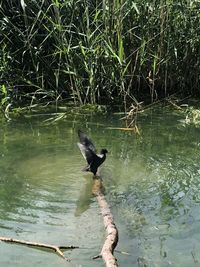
point(152, 183)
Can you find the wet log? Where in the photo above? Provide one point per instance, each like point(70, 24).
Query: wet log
point(57, 249)
point(111, 239)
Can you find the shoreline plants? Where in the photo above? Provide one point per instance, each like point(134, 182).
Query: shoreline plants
point(98, 51)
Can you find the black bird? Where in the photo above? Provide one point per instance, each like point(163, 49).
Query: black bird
point(88, 151)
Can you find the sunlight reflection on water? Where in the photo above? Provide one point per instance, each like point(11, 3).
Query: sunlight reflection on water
point(151, 182)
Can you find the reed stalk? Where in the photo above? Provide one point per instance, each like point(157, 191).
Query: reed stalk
point(98, 51)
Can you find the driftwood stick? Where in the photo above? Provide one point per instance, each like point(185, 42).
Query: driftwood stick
point(111, 229)
point(57, 249)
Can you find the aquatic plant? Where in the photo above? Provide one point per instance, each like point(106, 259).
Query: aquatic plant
point(192, 117)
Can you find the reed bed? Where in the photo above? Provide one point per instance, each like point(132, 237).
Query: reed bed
point(98, 51)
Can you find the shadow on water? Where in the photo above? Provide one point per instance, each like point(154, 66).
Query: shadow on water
point(151, 182)
point(86, 197)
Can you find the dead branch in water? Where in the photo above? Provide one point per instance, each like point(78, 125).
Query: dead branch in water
point(111, 229)
point(57, 249)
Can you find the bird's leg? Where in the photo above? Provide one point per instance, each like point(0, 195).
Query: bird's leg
point(95, 176)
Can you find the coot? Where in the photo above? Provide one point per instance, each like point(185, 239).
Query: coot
point(88, 151)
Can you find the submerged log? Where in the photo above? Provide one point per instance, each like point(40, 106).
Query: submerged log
point(111, 229)
point(57, 249)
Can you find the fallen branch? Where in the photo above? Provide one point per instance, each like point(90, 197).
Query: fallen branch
point(111, 229)
point(57, 249)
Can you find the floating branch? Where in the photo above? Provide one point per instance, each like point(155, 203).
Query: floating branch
point(57, 249)
point(111, 229)
point(122, 129)
point(133, 129)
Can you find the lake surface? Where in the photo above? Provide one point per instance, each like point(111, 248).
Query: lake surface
point(152, 184)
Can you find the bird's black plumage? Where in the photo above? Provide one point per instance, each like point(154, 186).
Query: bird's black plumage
point(88, 151)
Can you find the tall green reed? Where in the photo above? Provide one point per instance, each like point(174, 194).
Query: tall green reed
point(99, 51)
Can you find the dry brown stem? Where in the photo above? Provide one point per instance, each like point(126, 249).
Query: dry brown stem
point(57, 249)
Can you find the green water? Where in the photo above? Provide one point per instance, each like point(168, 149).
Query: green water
point(151, 183)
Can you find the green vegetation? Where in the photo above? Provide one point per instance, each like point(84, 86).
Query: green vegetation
point(192, 117)
point(105, 52)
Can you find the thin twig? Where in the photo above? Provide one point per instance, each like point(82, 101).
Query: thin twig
point(57, 249)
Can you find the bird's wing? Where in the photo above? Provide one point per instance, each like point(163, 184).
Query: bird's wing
point(85, 141)
point(87, 153)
